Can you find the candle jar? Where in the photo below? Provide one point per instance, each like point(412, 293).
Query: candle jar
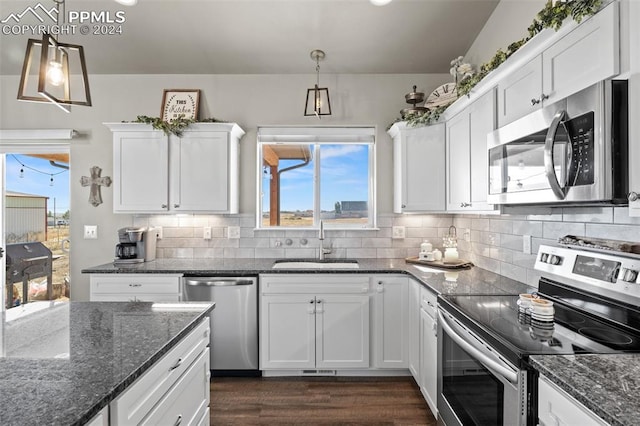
point(450, 255)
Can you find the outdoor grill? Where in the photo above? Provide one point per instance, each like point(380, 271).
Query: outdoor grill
point(27, 261)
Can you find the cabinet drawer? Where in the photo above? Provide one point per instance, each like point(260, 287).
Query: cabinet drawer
point(428, 301)
point(555, 406)
point(184, 403)
point(140, 398)
point(134, 283)
point(314, 284)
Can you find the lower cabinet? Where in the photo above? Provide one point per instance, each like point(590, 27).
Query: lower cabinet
point(390, 321)
point(428, 348)
point(314, 325)
point(175, 390)
point(134, 287)
point(556, 407)
point(414, 329)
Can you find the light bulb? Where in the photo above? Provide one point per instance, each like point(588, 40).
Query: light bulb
point(55, 75)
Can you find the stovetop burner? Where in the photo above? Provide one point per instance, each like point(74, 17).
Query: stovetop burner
point(606, 336)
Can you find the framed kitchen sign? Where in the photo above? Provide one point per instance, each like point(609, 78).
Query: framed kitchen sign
point(180, 102)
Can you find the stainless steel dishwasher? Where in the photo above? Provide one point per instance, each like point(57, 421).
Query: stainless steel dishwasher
point(234, 321)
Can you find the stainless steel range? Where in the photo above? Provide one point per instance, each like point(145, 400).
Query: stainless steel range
point(485, 341)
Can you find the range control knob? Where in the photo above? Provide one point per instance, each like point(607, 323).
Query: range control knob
point(555, 260)
point(629, 275)
point(544, 257)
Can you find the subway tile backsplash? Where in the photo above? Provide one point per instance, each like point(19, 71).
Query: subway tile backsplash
point(494, 242)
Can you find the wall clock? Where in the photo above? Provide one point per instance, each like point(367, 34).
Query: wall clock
point(442, 95)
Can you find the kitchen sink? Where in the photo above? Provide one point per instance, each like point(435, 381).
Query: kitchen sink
point(316, 264)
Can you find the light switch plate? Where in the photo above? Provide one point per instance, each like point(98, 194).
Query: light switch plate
point(233, 232)
point(206, 232)
point(91, 232)
point(526, 244)
point(398, 232)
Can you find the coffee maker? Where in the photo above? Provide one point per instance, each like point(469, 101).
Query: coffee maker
point(136, 245)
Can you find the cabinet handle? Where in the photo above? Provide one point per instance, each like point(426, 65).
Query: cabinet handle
point(311, 308)
point(465, 204)
point(135, 285)
point(178, 420)
point(176, 365)
point(544, 97)
point(164, 206)
point(175, 206)
point(404, 206)
point(633, 196)
point(430, 304)
point(535, 101)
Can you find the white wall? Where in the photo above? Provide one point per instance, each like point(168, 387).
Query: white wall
point(508, 23)
point(249, 100)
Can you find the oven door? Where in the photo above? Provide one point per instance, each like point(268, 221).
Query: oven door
point(476, 386)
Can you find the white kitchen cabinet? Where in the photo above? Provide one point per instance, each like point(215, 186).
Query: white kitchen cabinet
point(156, 173)
point(418, 168)
point(134, 287)
point(582, 57)
point(390, 321)
point(466, 152)
point(175, 387)
point(414, 329)
point(429, 348)
point(558, 408)
point(310, 322)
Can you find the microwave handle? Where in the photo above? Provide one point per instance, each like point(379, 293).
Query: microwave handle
point(548, 156)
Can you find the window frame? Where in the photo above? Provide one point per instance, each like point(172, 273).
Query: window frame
point(318, 136)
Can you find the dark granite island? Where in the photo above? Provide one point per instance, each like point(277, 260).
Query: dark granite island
point(64, 362)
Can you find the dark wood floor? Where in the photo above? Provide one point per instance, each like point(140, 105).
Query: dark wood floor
point(318, 401)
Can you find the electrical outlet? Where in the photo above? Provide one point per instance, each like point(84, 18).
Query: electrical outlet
point(206, 232)
point(467, 234)
point(91, 232)
point(233, 232)
point(526, 244)
point(398, 232)
point(159, 231)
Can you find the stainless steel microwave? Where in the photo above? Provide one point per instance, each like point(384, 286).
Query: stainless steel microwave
point(574, 151)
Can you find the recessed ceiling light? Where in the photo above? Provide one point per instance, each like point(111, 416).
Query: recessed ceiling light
point(128, 2)
point(380, 2)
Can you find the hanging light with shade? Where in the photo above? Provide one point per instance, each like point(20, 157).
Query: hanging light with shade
point(52, 67)
point(318, 102)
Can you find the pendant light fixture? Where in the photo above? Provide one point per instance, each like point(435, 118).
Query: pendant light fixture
point(57, 70)
point(317, 103)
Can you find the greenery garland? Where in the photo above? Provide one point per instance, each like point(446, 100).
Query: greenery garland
point(552, 15)
point(175, 126)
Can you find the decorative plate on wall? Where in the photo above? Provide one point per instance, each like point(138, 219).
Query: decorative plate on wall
point(442, 95)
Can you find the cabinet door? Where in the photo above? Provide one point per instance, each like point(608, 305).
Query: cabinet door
point(428, 358)
point(199, 172)
point(287, 332)
point(482, 121)
point(458, 162)
point(588, 54)
point(342, 331)
point(140, 172)
point(420, 171)
point(414, 330)
point(391, 318)
point(520, 92)
point(556, 407)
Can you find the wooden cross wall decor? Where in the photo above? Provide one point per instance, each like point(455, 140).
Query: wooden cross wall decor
point(95, 181)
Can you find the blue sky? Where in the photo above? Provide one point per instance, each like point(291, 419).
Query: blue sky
point(344, 175)
point(38, 183)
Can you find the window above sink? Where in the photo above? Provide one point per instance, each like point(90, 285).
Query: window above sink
point(308, 174)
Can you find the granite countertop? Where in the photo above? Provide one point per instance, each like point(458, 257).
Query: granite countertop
point(470, 281)
point(62, 362)
point(608, 385)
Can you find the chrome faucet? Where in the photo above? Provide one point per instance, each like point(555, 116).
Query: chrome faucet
point(322, 251)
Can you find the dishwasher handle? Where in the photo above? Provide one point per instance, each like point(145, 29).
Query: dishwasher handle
point(222, 282)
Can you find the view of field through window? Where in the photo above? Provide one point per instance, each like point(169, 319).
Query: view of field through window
point(302, 182)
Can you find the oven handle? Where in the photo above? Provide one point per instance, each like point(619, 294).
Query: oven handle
point(492, 364)
point(549, 141)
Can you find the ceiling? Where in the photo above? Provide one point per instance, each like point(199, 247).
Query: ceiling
point(263, 36)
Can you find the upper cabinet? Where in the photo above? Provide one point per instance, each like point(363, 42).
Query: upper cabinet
point(156, 173)
point(419, 168)
point(466, 153)
point(582, 57)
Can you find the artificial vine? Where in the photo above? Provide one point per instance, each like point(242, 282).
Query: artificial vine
point(175, 126)
point(553, 15)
